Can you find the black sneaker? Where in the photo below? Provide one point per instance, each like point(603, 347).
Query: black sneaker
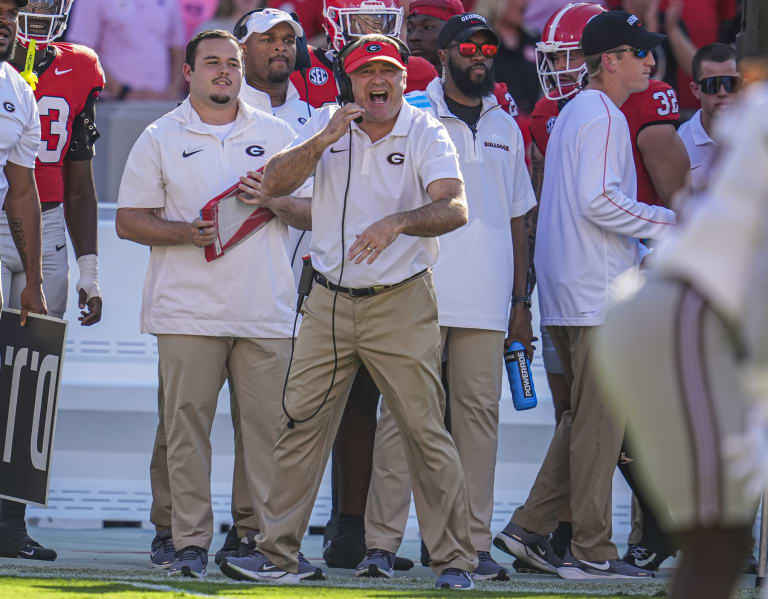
point(425, 558)
point(346, 549)
point(231, 546)
point(645, 557)
point(190, 562)
point(163, 552)
point(530, 547)
point(576, 569)
point(16, 543)
point(402, 564)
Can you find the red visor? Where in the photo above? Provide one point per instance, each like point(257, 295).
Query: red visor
point(369, 51)
point(439, 9)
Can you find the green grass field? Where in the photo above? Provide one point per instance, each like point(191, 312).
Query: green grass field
point(60, 588)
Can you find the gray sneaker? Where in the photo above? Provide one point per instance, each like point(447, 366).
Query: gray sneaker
point(190, 562)
point(534, 549)
point(576, 569)
point(256, 567)
point(454, 579)
point(488, 568)
point(377, 563)
point(307, 571)
point(163, 552)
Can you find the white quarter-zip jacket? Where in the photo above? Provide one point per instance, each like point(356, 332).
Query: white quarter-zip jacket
point(176, 166)
point(475, 271)
point(590, 221)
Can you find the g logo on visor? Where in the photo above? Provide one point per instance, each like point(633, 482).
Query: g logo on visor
point(372, 48)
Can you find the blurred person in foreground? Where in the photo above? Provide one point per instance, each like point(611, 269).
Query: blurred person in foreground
point(589, 230)
point(685, 361)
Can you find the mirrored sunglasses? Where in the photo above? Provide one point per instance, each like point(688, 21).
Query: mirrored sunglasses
point(469, 49)
point(711, 85)
point(636, 51)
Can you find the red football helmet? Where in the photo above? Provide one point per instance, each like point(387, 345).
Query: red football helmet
point(344, 20)
point(43, 21)
point(562, 33)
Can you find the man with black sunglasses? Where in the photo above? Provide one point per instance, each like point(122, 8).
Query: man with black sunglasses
point(715, 82)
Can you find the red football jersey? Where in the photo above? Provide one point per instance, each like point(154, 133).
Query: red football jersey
point(322, 87)
point(62, 91)
point(657, 104)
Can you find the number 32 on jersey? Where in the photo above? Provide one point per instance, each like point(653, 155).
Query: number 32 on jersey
point(667, 102)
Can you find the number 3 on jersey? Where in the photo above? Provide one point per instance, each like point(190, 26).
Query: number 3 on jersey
point(668, 102)
point(54, 137)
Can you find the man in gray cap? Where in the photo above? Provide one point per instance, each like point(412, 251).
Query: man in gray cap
point(590, 226)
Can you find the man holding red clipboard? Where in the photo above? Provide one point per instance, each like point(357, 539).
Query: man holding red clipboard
point(232, 314)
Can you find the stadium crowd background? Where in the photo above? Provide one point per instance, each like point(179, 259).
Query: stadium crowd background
point(518, 23)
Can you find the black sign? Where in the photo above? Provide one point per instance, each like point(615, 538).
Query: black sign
point(30, 377)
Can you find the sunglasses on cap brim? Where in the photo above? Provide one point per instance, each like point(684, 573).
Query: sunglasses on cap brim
point(469, 49)
point(711, 85)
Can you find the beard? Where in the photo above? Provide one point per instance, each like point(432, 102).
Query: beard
point(465, 84)
point(8, 52)
point(220, 99)
point(278, 76)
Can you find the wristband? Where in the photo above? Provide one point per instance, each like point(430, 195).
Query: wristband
point(522, 299)
point(89, 276)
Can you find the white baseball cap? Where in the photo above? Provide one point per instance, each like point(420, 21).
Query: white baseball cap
point(265, 19)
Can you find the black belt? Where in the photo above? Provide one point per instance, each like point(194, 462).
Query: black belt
point(363, 291)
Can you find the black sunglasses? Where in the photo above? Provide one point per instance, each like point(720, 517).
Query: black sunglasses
point(636, 51)
point(711, 85)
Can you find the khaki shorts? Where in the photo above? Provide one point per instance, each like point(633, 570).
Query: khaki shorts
point(671, 365)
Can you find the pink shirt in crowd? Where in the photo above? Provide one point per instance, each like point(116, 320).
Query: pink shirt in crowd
point(131, 37)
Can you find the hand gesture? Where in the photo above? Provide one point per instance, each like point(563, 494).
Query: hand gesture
point(93, 314)
point(201, 232)
point(338, 125)
point(32, 300)
point(371, 242)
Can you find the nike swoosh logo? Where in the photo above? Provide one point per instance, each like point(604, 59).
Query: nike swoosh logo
point(186, 154)
point(61, 71)
point(60, 247)
point(642, 563)
point(335, 151)
point(27, 553)
point(601, 566)
point(541, 551)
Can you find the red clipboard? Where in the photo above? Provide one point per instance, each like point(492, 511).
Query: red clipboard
point(235, 221)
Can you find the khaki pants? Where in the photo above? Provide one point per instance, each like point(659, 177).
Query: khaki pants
point(474, 378)
point(396, 336)
point(581, 459)
point(160, 512)
point(192, 370)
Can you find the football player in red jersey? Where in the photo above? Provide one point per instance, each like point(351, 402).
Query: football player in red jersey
point(66, 79)
point(343, 21)
point(662, 167)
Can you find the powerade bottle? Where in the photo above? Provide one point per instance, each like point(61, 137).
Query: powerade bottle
point(520, 379)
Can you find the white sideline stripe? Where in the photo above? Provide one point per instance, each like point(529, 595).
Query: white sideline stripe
point(162, 587)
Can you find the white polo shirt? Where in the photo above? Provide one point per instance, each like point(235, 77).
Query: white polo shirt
point(590, 221)
point(19, 124)
point(293, 111)
point(701, 150)
point(176, 166)
point(475, 272)
point(385, 177)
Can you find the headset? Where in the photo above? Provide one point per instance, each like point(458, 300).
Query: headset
point(343, 83)
point(303, 61)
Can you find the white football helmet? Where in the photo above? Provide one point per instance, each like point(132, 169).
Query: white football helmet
point(345, 20)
